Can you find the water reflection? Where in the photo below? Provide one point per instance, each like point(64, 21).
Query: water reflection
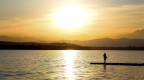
point(104, 66)
point(69, 56)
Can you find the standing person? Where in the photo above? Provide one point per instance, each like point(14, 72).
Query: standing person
point(105, 57)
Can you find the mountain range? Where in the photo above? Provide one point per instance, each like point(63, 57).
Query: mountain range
point(138, 34)
point(132, 39)
point(107, 42)
point(135, 38)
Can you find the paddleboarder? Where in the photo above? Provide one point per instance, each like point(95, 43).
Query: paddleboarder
point(105, 57)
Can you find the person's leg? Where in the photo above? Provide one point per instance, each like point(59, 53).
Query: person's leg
point(104, 60)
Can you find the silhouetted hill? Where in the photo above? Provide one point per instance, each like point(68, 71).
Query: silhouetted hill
point(57, 46)
point(138, 34)
point(37, 46)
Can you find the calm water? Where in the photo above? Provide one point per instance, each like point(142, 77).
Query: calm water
point(68, 65)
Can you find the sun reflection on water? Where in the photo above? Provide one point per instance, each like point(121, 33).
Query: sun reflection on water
point(69, 56)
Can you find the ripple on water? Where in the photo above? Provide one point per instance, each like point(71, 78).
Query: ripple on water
point(54, 65)
point(5, 74)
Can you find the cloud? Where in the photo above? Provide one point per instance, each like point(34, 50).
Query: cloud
point(123, 15)
point(18, 22)
point(112, 3)
point(113, 15)
point(10, 9)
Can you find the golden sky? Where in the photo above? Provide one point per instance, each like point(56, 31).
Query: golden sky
point(70, 19)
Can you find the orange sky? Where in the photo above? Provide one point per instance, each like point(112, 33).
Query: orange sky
point(32, 18)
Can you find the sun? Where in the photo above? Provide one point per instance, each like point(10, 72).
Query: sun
point(71, 16)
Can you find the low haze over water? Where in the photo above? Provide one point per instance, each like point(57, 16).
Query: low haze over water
point(69, 65)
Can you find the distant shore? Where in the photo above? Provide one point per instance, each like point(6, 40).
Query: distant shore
point(69, 48)
point(5, 45)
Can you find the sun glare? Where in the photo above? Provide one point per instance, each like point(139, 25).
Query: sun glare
point(69, 56)
point(71, 16)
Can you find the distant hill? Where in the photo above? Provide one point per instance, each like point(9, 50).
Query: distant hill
point(133, 39)
point(107, 42)
point(138, 34)
point(37, 46)
point(6, 45)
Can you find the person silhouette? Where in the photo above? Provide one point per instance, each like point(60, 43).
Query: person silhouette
point(105, 57)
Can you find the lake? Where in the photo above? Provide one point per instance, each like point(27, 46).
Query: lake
point(69, 65)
